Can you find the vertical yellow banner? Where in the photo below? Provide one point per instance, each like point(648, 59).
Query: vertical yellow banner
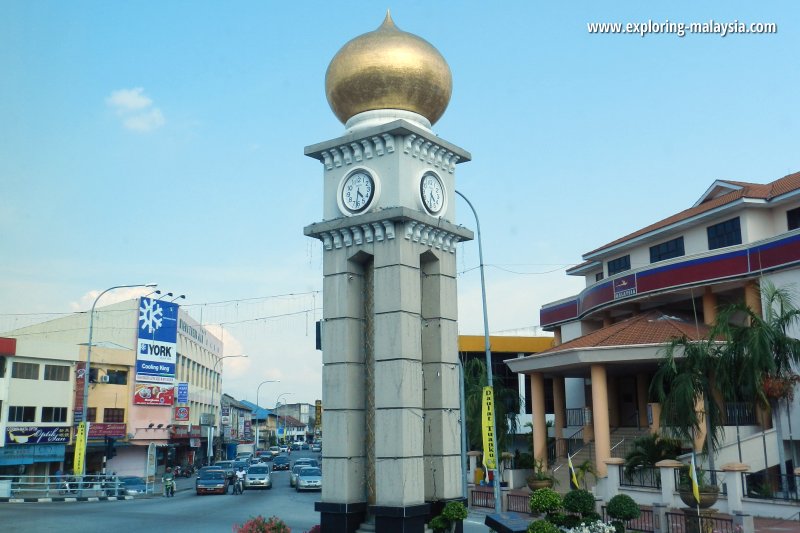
point(80, 449)
point(489, 451)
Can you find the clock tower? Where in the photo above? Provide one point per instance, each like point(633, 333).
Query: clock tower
point(392, 453)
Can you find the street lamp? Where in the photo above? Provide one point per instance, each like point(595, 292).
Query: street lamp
point(488, 349)
point(259, 407)
point(213, 390)
point(281, 395)
point(89, 365)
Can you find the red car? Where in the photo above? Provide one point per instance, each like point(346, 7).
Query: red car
point(211, 482)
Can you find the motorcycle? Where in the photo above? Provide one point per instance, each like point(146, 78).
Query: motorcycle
point(169, 487)
point(238, 486)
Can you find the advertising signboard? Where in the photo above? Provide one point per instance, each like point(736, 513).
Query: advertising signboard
point(157, 328)
point(107, 429)
point(150, 394)
point(37, 435)
point(225, 415)
point(80, 449)
point(181, 414)
point(206, 419)
point(80, 378)
point(318, 415)
point(183, 392)
point(625, 286)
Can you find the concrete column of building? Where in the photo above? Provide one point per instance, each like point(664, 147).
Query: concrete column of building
point(613, 476)
point(559, 406)
point(442, 435)
point(343, 379)
point(557, 336)
point(398, 378)
point(642, 395)
point(735, 488)
point(539, 422)
point(613, 402)
point(666, 470)
point(602, 433)
point(752, 296)
point(709, 306)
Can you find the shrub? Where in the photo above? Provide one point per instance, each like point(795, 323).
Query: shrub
point(545, 501)
point(571, 521)
point(596, 526)
point(579, 501)
point(622, 507)
point(439, 523)
point(542, 526)
point(454, 511)
point(259, 524)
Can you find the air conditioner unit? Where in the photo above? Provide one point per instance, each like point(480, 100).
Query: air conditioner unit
point(104, 379)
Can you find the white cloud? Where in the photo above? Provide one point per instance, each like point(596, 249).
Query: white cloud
point(112, 297)
point(136, 110)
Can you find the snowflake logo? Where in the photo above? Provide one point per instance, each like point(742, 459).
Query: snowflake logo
point(151, 315)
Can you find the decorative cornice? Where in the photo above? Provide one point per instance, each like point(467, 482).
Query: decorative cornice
point(384, 225)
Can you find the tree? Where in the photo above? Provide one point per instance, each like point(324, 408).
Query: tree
point(506, 406)
point(685, 379)
point(760, 348)
point(647, 451)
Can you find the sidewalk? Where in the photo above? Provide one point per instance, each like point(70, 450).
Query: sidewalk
point(93, 495)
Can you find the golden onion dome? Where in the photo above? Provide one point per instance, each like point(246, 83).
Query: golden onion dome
point(388, 69)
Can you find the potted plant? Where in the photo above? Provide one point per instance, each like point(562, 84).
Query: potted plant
point(540, 478)
point(709, 492)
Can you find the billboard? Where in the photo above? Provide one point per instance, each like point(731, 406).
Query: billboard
point(151, 394)
point(157, 338)
point(37, 434)
point(181, 414)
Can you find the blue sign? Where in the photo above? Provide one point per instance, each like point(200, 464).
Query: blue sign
point(157, 332)
point(183, 393)
point(158, 320)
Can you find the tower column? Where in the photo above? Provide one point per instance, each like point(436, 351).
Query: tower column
point(539, 422)
point(559, 406)
point(602, 434)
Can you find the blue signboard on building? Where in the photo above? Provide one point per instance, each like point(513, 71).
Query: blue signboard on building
point(156, 351)
point(183, 392)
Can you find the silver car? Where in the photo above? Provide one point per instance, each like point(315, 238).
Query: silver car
point(258, 477)
point(309, 478)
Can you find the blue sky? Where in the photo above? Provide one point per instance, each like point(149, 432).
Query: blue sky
point(163, 141)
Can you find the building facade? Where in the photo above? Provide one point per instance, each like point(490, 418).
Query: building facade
point(659, 282)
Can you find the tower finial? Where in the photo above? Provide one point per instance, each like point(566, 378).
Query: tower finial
point(388, 20)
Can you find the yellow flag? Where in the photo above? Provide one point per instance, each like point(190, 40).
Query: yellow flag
point(573, 479)
point(489, 451)
point(693, 477)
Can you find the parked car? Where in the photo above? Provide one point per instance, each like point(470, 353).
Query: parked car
point(309, 478)
point(258, 477)
point(132, 485)
point(211, 481)
point(281, 463)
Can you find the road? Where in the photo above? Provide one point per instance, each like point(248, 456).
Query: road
point(186, 512)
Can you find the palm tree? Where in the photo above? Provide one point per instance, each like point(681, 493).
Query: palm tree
point(685, 378)
point(766, 354)
point(506, 406)
point(647, 451)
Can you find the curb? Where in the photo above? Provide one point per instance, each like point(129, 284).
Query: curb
point(67, 499)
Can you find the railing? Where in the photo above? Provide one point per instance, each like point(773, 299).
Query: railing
point(567, 445)
point(581, 416)
point(482, 498)
point(67, 486)
point(689, 523)
point(646, 477)
point(519, 503)
point(645, 522)
point(767, 486)
point(704, 477)
point(741, 413)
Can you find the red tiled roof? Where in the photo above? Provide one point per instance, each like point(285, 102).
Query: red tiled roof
point(653, 327)
point(758, 191)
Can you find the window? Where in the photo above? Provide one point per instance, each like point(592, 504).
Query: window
point(113, 415)
point(598, 276)
point(56, 373)
point(93, 373)
point(54, 414)
point(25, 371)
point(2, 367)
point(117, 377)
point(728, 233)
point(18, 413)
point(620, 264)
point(793, 218)
point(91, 414)
point(667, 250)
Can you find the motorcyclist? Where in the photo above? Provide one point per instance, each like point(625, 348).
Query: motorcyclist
point(238, 487)
point(168, 479)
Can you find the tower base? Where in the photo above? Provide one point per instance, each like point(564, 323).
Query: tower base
point(340, 517)
point(410, 519)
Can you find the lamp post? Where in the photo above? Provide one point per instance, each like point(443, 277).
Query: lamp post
point(89, 364)
point(281, 395)
point(488, 350)
point(259, 407)
point(210, 446)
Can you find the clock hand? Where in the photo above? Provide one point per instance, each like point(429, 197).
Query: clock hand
point(359, 196)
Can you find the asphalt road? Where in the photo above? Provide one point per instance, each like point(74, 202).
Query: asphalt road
point(186, 512)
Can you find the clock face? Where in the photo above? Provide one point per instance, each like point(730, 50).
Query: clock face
point(432, 193)
point(358, 190)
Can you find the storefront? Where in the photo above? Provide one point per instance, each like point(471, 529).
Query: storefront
point(33, 450)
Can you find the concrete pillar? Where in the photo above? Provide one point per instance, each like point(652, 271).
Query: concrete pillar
point(539, 423)
point(560, 406)
point(744, 522)
point(642, 395)
point(655, 413)
point(752, 296)
point(709, 306)
point(667, 470)
point(602, 434)
point(660, 518)
point(733, 481)
point(612, 467)
point(557, 336)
